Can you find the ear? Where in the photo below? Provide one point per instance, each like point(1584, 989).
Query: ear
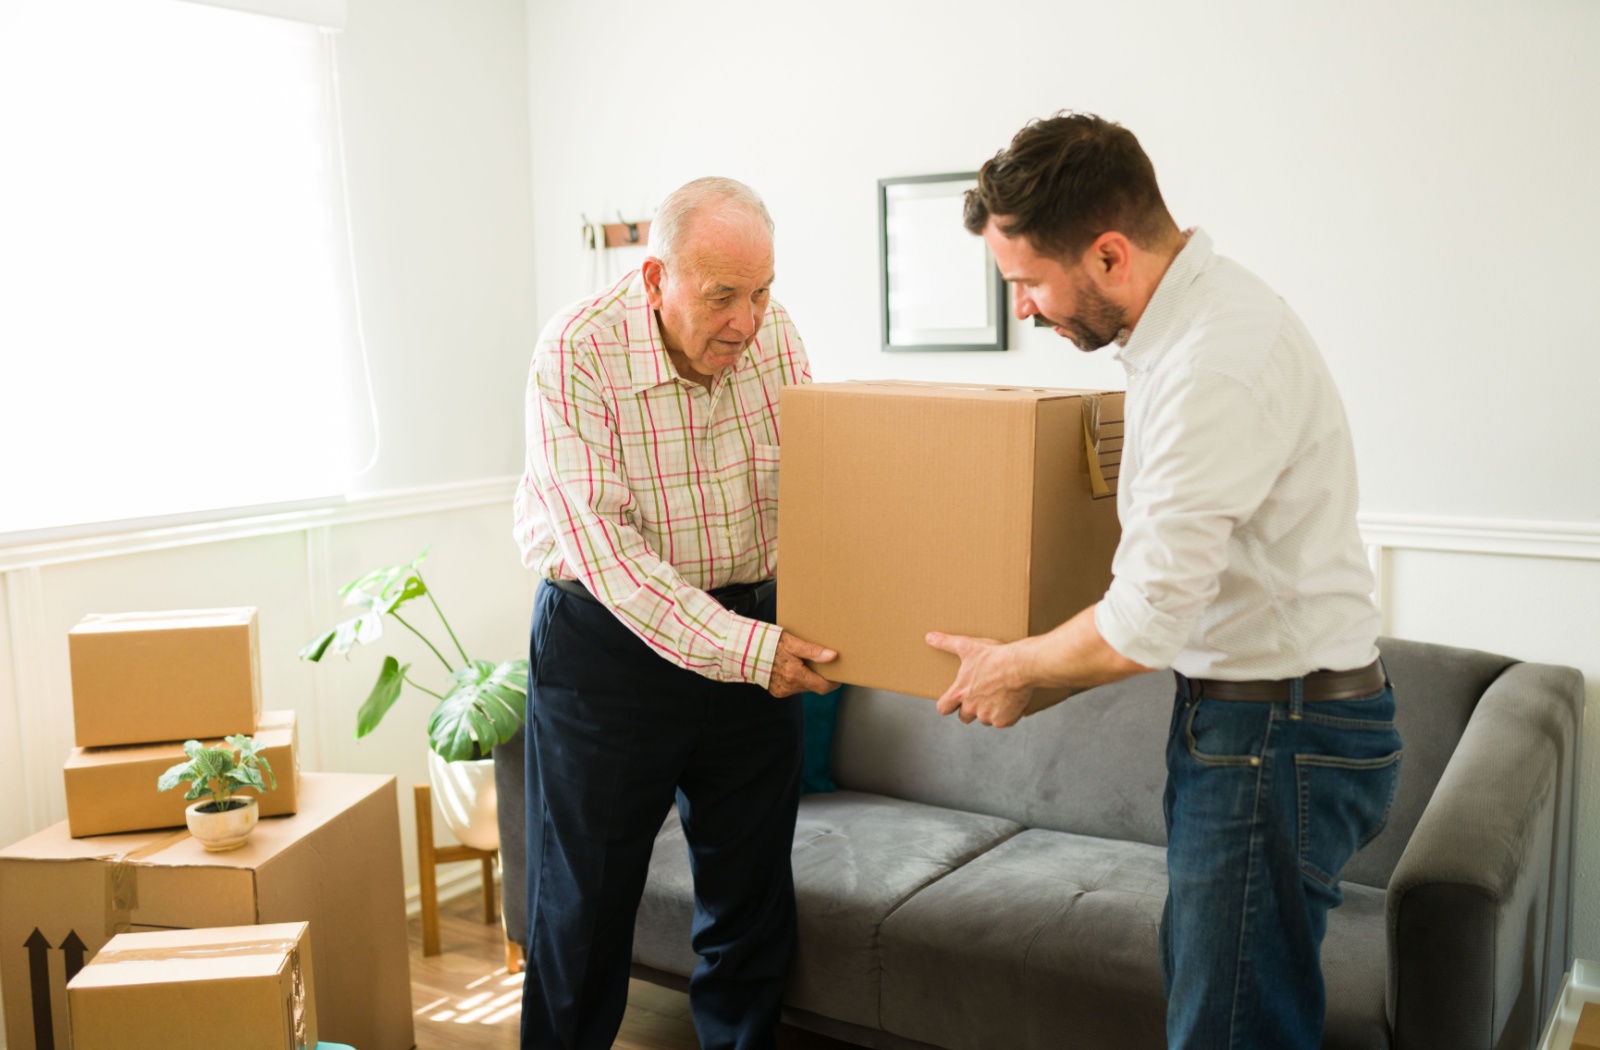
point(1110, 259)
point(654, 272)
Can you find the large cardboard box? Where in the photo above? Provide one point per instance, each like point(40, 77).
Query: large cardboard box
point(113, 789)
point(335, 864)
point(910, 507)
point(144, 678)
point(186, 988)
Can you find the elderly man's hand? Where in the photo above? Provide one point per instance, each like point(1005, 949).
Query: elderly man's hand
point(987, 689)
point(790, 674)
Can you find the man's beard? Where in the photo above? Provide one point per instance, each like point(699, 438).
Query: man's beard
point(1097, 322)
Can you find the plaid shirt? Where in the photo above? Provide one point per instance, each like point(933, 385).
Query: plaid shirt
point(648, 488)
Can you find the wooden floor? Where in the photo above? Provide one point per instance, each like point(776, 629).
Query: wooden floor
point(465, 1000)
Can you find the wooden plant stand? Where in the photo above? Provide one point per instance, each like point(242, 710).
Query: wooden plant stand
point(430, 856)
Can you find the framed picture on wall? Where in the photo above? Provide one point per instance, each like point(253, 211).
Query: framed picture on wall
point(940, 287)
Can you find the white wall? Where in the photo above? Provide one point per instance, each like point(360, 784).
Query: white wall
point(1418, 180)
point(436, 129)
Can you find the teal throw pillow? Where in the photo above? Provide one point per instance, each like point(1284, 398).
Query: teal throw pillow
point(816, 772)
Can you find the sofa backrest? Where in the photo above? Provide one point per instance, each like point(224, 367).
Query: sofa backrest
point(1095, 764)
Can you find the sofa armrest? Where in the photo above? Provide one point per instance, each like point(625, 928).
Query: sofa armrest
point(1479, 905)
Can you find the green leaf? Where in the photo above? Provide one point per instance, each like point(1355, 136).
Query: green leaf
point(266, 768)
point(485, 706)
point(392, 584)
point(314, 649)
point(172, 777)
point(248, 777)
point(384, 693)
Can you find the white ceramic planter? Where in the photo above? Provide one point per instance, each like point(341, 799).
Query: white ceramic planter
point(221, 832)
point(466, 796)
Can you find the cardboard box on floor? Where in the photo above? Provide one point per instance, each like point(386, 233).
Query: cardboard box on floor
point(185, 988)
point(145, 678)
point(911, 507)
point(113, 789)
point(334, 864)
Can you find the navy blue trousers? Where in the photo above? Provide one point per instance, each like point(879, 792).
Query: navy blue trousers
point(615, 735)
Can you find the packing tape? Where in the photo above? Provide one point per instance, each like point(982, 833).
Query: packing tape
point(122, 881)
point(113, 956)
point(1091, 444)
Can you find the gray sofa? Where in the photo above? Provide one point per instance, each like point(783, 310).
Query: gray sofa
point(973, 889)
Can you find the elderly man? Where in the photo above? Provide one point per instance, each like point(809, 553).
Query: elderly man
point(1240, 567)
point(649, 508)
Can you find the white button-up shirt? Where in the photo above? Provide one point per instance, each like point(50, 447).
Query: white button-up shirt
point(1240, 557)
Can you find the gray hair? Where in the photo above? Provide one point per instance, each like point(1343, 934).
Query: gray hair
point(677, 212)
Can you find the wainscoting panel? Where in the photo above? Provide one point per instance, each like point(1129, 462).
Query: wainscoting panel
point(1526, 589)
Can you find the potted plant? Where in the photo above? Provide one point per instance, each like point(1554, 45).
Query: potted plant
point(481, 706)
point(220, 821)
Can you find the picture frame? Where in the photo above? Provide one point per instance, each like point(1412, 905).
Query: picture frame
point(939, 286)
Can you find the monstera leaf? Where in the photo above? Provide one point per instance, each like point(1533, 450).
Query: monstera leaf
point(384, 693)
point(483, 708)
point(379, 592)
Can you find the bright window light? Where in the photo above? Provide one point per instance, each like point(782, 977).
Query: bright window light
point(178, 328)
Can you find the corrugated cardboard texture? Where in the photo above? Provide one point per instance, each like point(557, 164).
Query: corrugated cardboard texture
point(181, 988)
point(334, 864)
point(905, 508)
point(113, 789)
point(144, 678)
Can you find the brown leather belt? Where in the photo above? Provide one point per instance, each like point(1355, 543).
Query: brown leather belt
point(740, 598)
point(1319, 685)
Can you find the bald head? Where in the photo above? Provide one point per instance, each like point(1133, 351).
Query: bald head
point(709, 209)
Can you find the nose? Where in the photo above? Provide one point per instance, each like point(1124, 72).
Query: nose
point(1022, 305)
point(745, 320)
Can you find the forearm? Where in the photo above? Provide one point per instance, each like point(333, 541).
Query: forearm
point(1074, 655)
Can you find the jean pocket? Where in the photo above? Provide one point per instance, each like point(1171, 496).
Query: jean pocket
point(1225, 733)
point(1343, 804)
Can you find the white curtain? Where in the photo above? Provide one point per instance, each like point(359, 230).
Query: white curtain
point(178, 324)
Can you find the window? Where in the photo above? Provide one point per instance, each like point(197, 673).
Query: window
point(178, 325)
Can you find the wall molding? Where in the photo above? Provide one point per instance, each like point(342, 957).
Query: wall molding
point(427, 499)
point(1498, 536)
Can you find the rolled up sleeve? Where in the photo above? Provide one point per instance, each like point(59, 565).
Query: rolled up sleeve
point(577, 475)
point(1210, 458)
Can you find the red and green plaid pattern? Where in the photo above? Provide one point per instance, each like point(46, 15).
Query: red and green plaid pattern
point(650, 489)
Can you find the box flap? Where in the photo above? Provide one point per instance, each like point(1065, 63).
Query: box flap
point(105, 623)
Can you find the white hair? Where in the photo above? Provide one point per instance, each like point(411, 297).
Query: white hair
point(681, 206)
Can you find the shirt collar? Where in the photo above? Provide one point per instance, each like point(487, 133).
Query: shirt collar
point(648, 363)
point(1153, 332)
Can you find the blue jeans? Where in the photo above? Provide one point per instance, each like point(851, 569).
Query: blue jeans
point(1265, 804)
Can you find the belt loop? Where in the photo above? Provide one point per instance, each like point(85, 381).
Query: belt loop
point(1297, 696)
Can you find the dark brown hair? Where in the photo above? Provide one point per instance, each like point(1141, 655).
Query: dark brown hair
point(1066, 180)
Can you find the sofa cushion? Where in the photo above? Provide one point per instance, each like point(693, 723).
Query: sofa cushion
point(857, 858)
point(1049, 940)
point(1095, 764)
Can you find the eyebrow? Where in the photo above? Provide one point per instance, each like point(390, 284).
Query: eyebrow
point(728, 289)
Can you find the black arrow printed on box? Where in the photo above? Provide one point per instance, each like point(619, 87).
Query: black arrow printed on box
point(74, 949)
point(44, 1036)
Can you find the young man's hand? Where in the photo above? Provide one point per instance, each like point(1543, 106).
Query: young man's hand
point(988, 688)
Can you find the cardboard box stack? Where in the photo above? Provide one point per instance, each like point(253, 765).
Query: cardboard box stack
point(123, 862)
point(911, 507)
point(335, 864)
point(142, 684)
point(177, 988)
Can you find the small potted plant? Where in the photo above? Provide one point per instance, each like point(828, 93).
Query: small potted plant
point(481, 706)
point(219, 820)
